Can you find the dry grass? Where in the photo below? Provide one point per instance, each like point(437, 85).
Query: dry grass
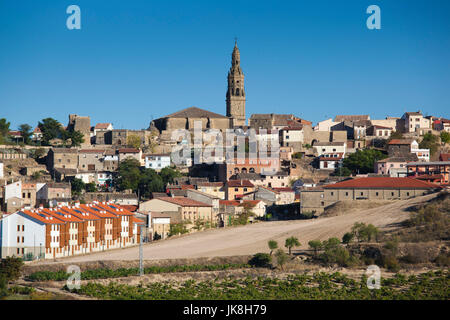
point(347, 206)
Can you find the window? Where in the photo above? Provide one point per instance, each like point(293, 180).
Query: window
point(376, 193)
point(346, 193)
point(236, 189)
point(18, 228)
point(23, 227)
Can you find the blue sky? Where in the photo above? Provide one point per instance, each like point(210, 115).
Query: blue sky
point(137, 60)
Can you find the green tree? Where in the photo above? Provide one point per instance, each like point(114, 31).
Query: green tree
point(168, 175)
point(430, 141)
point(25, 131)
point(362, 161)
point(77, 186)
point(395, 135)
point(50, 129)
point(291, 242)
point(178, 228)
point(261, 260)
point(445, 137)
point(342, 172)
point(76, 138)
point(149, 182)
point(316, 246)
point(348, 237)
point(11, 268)
point(128, 175)
point(134, 141)
point(91, 187)
point(272, 245)
point(4, 130)
point(281, 257)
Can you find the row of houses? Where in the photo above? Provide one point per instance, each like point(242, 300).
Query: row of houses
point(68, 230)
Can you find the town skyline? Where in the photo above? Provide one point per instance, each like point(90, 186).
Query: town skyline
point(385, 72)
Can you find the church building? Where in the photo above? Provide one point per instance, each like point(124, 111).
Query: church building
point(235, 107)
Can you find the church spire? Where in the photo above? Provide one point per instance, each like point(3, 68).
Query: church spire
point(236, 92)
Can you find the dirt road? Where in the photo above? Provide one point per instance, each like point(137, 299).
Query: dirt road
point(253, 238)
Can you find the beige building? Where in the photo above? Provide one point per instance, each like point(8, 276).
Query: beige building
point(238, 188)
point(414, 121)
point(180, 209)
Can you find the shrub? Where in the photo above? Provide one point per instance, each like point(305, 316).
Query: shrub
point(348, 237)
point(11, 268)
point(443, 259)
point(272, 245)
point(372, 255)
point(3, 286)
point(316, 246)
point(390, 262)
point(261, 260)
point(282, 258)
point(291, 242)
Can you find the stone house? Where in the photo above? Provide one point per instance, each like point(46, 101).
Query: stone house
point(234, 188)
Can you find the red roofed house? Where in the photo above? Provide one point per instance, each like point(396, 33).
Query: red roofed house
point(376, 188)
point(235, 188)
point(330, 161)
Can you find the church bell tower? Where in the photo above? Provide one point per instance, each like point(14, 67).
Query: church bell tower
point(236, 92)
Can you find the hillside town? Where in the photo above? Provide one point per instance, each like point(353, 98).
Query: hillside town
point(86, 187)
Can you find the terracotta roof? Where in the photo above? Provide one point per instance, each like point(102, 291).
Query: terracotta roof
point(382, 183)
point(92, 151)
point(128, 150)
point(210, 184)
point(283, 189)
point(184, 202)
point(130, 208)
point(102, 125)
point(239, 183)
point(41, 216)
point(400, 141)
point(137, 220)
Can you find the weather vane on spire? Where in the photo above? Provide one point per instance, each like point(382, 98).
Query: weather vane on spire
point(235, 40)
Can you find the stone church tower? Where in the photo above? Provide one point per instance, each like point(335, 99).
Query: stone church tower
point(236, 92)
